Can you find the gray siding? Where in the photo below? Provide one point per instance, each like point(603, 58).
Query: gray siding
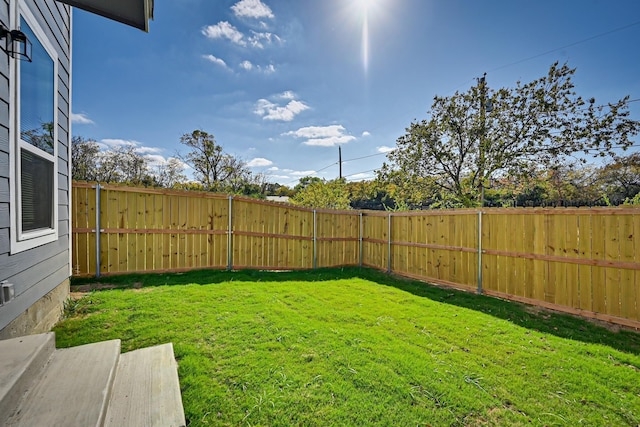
point(37, 271)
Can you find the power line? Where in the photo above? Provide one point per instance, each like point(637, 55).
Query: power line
point(363, 157)
point(326, 167)
point(520, 61)
point(314, 172)
point(358, 173)
point(606, 33)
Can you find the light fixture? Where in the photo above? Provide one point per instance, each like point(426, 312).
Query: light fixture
point(16, 44)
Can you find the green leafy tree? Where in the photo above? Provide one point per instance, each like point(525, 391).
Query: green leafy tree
point(323, 194)
point(474, 137)
point(275, 189)
point(621, 178)
point(304, 182)
point(371, 195)
point(633, 201)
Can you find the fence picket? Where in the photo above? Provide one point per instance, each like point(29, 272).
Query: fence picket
point(598, 277)
point(612, 252)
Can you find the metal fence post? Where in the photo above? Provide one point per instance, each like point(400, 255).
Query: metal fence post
point(97, 230)
point(361, 233)
point(230, 236)
point(315, 240)
point(479, 252)
point(389, 248)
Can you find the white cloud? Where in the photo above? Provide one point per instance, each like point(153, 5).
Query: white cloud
point(148, 150)
point(158, 160)
point(269, 69)
point(224, 30)
point(246, 65)
point(322, 136)
point(385, 149)
point(152, 154)
point(273, 168)
point(259, 162)
point(287, 94)
point(360, 176)
point(271, 111)
point(126, 143)
point(252, 9)
point(302, 173)
point(366, 133)
point(279, 177)
point(258, 39)
point(215, 60)
point(155, 160)
point(115, 143)
point(81, 119)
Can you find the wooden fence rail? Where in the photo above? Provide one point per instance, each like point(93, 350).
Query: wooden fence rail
point(583, 261)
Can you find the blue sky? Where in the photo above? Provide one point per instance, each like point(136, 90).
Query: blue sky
point(282, 83)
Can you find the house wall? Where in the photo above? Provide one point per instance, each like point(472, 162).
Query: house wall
point(40, 275)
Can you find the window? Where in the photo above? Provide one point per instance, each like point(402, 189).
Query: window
point(34, 138)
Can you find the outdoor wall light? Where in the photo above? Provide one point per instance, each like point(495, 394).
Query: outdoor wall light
point(16, 44)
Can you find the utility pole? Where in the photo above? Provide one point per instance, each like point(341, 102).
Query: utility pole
point(340, 160)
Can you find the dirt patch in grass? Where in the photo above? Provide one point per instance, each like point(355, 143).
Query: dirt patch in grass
point(93, 287)
point(75, 296)
point(142, 290)
point(97, 286)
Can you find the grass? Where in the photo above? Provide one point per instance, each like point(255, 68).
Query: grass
point(357, 347)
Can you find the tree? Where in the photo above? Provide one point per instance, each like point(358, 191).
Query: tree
point(170, 174)
point(216, 170)
point(323, 195)
point(304, 182)
point(120, 164)
point(124, 164)
point(369, 195)
point(621, 178)
point(84, 159)
point(42, 137)
point(476, 136)
point(275, 189)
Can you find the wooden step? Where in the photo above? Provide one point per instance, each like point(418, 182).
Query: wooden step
point(72, 390)
point(146, 391)
point(22, 361)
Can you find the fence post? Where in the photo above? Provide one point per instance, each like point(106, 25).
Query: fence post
point(389, 247)
point(315, 240)
point(361, 233)
point(479, 252)
point(97, 187)
point(230, 236)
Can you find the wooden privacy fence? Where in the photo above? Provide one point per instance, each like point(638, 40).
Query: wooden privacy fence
point(582, 261)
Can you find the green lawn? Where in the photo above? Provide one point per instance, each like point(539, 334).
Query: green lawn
point(357, 347)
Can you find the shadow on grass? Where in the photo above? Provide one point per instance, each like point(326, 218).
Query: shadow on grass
point(558, 324)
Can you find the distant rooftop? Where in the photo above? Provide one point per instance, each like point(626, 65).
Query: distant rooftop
point(282, 199)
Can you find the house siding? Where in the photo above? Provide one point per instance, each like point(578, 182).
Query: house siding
point(42, 271)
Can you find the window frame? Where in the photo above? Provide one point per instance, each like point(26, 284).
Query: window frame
point(21, 240)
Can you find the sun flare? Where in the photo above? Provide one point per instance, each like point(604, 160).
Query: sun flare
point(365, 9)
